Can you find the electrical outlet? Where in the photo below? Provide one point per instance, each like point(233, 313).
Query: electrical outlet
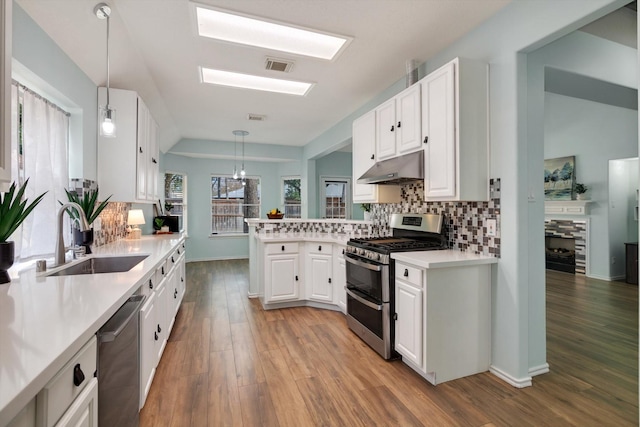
point(492, 227)
point(268, 227)
point(348, 227)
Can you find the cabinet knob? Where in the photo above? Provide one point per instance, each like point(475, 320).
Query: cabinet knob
point(159, 329)
point(283, 247)
point(296, 278)
point(406, 272)
point(175, 294)
point(178, 251)
point(155, 335)
point(373, 156)
point(172, 260)
point(343, 252)
point(395, 316)
point(329, 279)
point(153, 160)
point(399, 123)
point(150, 284)
point(140, 148)
point(162, 270)
point(426, 139)
point(78, 375)
point(319, 248)
point(392, 128)
point(182, 279)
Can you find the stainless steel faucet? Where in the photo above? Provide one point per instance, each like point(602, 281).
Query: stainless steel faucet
point(83, 223)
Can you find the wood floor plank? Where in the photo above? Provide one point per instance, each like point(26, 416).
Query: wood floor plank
point(230, 363)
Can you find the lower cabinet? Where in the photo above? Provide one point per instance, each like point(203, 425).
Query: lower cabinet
point(443, 326)
point(84, 410)
point(148, 338)
point(319, 266)
point(339, 278)
point(282, 272)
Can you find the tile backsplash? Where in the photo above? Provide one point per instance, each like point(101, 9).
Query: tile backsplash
point(113, 218)
point(465, 222)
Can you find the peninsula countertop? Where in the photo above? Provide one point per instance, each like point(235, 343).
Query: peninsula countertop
point(45, 320)
point(443, 259)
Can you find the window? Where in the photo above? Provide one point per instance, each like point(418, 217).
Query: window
point(335, 197)
point(39, 152)
point(233, 200)
point(175, 193)
point(291, 195)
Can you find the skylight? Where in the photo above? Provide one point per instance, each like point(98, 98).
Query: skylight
point(255, 32)
point(248, 81)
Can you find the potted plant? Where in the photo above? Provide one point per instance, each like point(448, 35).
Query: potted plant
point(366, 207)
point(13, 211)
point(91, 209)
point(168, 206)
point(158, 223)
point(581, 189)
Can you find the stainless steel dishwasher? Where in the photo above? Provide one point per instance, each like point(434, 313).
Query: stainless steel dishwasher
point(118, 367)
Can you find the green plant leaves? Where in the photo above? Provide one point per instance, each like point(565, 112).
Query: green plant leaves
point(13, 210)
point(88, 205)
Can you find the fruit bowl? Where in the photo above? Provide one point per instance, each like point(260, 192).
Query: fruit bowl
point(275, 216)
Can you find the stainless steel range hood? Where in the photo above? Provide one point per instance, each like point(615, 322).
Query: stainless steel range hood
point(397, 170)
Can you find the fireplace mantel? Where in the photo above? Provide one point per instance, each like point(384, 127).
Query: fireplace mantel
point(566, 207)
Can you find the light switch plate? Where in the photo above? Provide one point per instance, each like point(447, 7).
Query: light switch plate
point(492, 226)
point(348, 227)
point(268, 227)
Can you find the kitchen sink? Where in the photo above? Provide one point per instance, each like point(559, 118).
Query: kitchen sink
point(107, 264)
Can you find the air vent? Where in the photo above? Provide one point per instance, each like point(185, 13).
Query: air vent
point(256, 117)
point(275, 64)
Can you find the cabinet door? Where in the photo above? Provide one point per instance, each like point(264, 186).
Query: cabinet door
point(282, 279)
point(148, 338)
point(162, 318)
point(408, 126)
point(363, 156)
point(5, 91)
point(152, 159)
point(438, 128)
point(142, 147)
point(408, 325)
point(84, 410)
point(386, 130)
point(319, 282)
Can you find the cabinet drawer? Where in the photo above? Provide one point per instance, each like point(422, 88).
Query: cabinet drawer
point(319, 248)
point(281, 248)
point(57, 396)
point(409, 274)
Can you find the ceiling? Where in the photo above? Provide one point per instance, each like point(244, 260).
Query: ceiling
point(155, 51)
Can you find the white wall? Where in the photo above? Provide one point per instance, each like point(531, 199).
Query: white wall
point(594, 133)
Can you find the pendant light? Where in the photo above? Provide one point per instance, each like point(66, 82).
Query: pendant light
point(235, 155)
point(242, 133)
point(107, 113)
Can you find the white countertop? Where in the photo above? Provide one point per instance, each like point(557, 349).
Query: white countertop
point(44, 321)
point(255, 221)
point(442, 259)
point(341, 239)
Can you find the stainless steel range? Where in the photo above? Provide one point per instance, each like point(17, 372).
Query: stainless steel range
point(371, 272)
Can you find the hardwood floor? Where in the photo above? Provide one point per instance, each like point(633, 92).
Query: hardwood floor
point(229, 363)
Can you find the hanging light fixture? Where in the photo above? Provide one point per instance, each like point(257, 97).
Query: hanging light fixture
point(235, 156)
point(107, 113)
point(242, 133)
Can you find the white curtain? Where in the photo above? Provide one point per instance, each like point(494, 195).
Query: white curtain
point(45, 164)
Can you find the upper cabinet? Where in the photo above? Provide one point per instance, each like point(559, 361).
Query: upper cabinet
point(5, 91)
point(398, 124)
point(364, 155)
point(128, 163)
point(455, 131)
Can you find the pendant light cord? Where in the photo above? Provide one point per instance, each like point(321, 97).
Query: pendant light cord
point(108, 69)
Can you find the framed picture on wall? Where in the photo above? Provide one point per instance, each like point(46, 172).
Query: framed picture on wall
point(559, 178)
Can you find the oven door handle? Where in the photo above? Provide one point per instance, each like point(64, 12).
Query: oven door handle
point(361, 300)
point(362, 264)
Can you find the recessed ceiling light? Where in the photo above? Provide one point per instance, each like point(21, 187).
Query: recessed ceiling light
point(248, 81)
point(269, 35)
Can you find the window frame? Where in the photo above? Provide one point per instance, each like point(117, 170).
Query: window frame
point(348, 214)
point(213, 234)
point(282, 194)
point(184, 203)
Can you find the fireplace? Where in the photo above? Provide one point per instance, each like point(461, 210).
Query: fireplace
point(560, 254)
point(571, 229)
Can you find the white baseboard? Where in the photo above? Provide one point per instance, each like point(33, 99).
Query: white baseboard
point(216, 259)
point(605, 278)
point(516, 382)
point(252, 295)
point(539, 370)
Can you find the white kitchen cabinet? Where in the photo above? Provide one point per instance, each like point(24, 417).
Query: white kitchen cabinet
point(339, 278)
point(319, 269)
point(148, 338)
point(282, 272)
point(132, 155)
point(398, 122)
point(455, 131)
point(162, 319)
point(84, 410)
point(5, 91)
point(409, 334)
point(26, 417)
point(363, 158)
point(443, 326)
